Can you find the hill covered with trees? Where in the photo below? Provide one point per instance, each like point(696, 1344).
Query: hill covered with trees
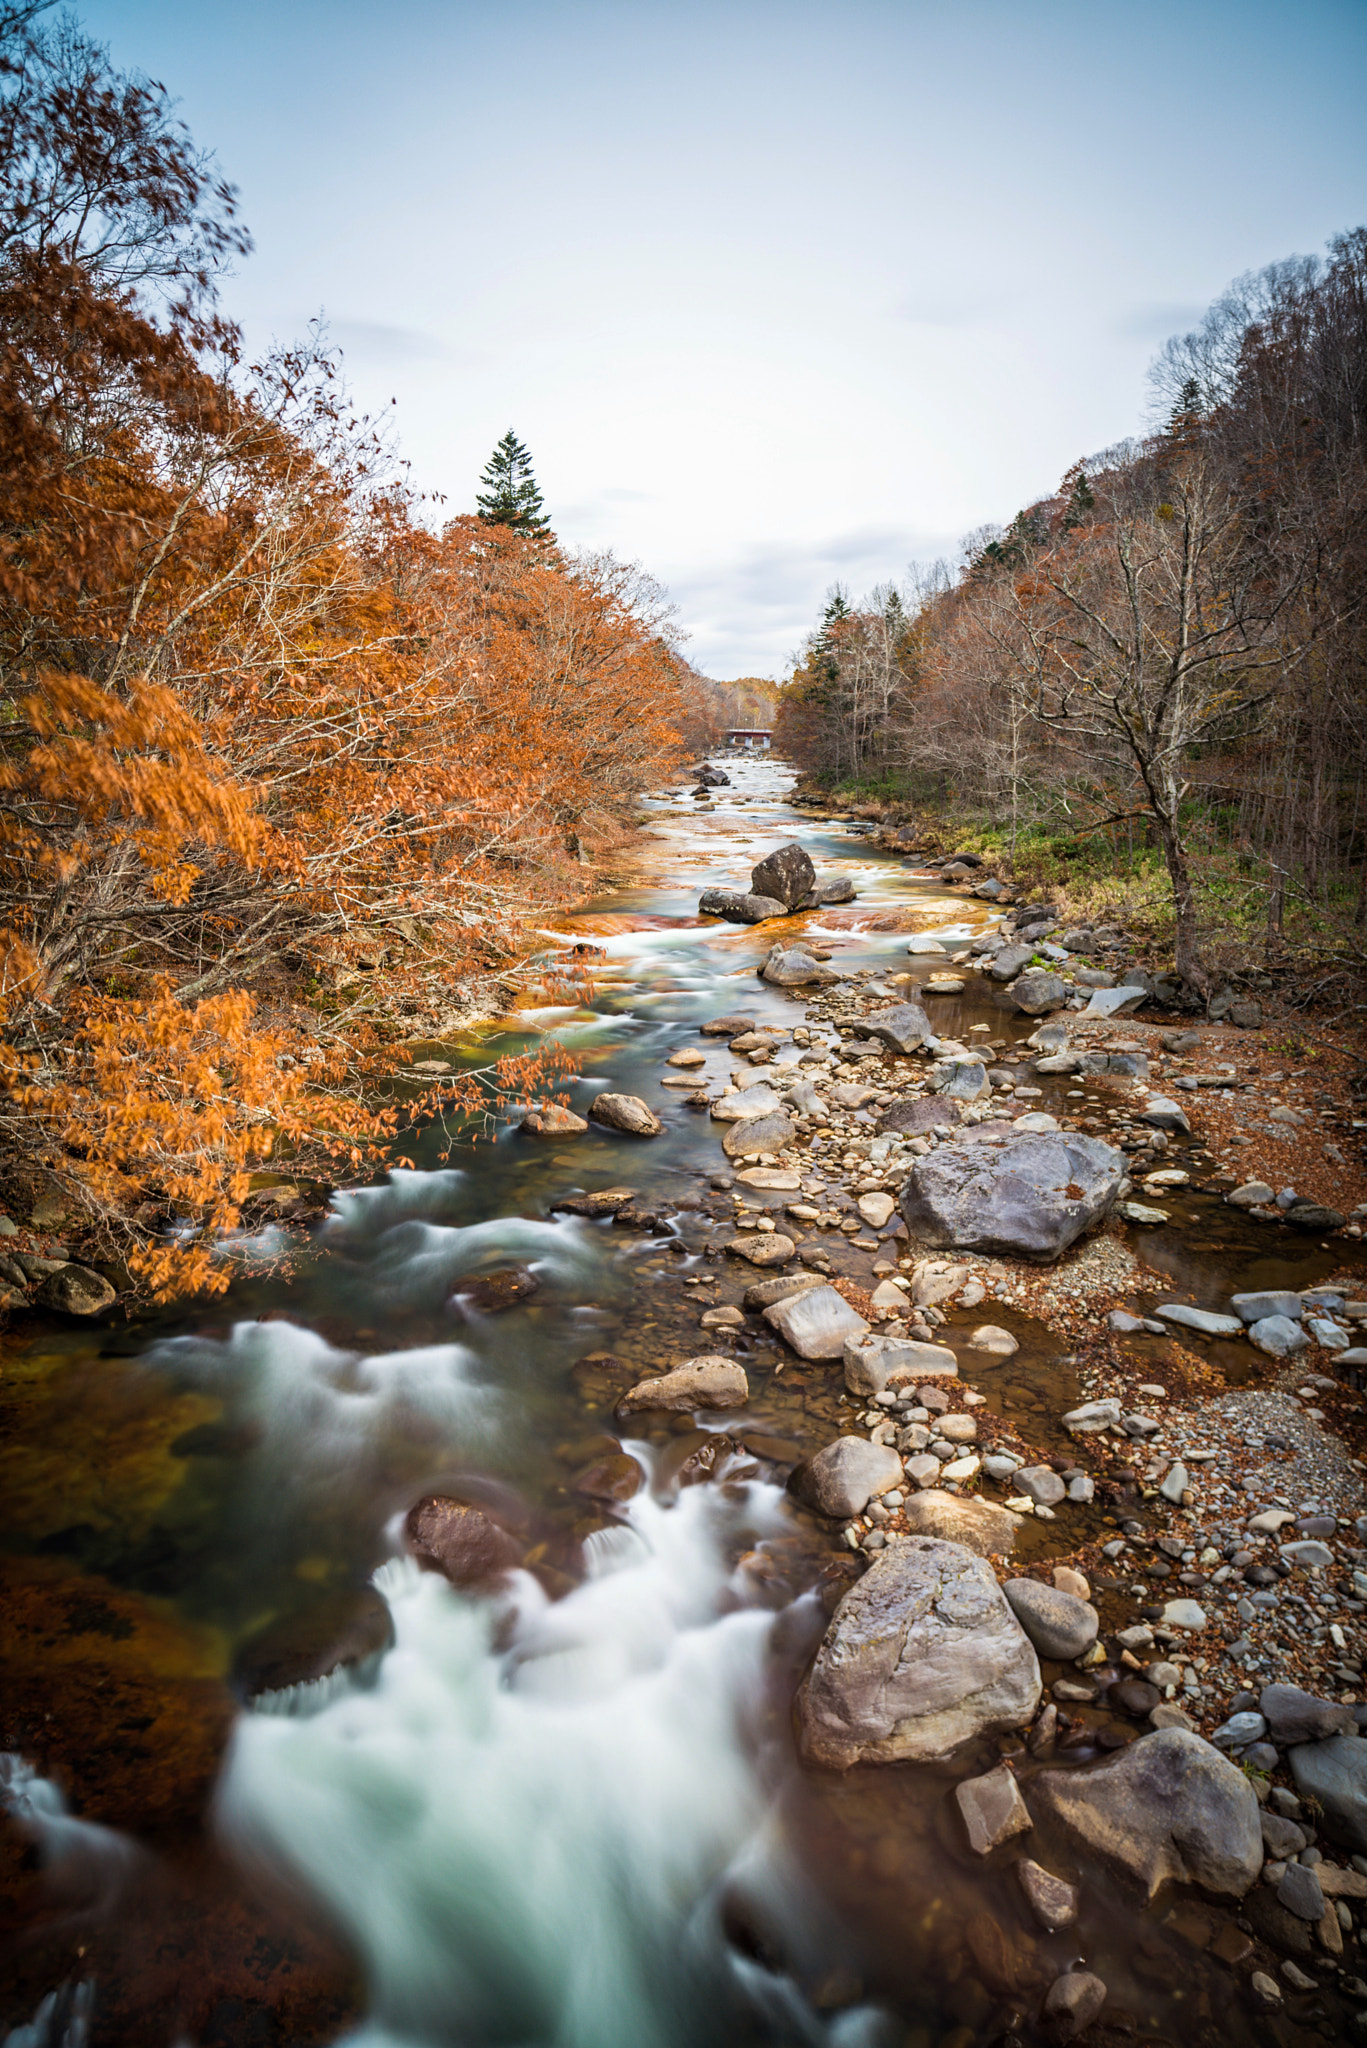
point(1156, 673)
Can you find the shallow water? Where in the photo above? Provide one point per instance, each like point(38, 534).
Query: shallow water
point(568, 1817)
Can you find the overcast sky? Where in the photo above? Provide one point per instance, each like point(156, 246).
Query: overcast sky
point(775, 294)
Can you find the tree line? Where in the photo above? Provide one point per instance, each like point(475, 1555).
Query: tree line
point(266, 718)
point(1174, 638)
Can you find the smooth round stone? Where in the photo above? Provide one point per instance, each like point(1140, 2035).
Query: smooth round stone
point(1058, 1624)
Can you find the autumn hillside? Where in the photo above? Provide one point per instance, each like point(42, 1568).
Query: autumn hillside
point(267, 725)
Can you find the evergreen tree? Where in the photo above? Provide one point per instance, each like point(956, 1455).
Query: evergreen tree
point(510, 496)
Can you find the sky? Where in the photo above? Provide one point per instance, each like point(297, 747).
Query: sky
point(777, 295)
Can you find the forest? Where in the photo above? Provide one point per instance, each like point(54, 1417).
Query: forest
point(1150, 688)
point(283, 750)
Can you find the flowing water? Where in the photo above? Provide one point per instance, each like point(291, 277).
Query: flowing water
point(564, 1816)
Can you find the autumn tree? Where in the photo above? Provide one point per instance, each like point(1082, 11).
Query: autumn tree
point(510, 496)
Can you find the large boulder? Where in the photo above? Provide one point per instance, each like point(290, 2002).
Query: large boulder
point(1029, 1196)
point(745, 1102)
point(845, 1476)
point(1294, 1716)
point(1335, 1773)
point(922, 1655)
point(759, 1135)
point(1169, 1809)
point(708, 1382)
point(964, 1518)
point(903, 1028)
point(1007, 964)
point(818, 1323)
point(787, 874)
point(625, 1113)
point(1037, 991)
point(75, 1291)
point(1058, 1624)
point(739, 908)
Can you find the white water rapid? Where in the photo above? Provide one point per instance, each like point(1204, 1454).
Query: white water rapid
point(529, 1822)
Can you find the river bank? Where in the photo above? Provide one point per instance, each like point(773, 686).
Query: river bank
point(195, 1509)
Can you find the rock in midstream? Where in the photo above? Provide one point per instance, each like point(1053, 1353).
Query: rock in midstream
point(459, 1541)
point(786, 874)
point(707, 1382)
point(922, 1655)
point(1030, 1196)
point(738, 907)
point(625, 1113)
point(1167, 1810)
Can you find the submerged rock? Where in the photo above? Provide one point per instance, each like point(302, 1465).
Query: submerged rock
point(1030, 1196)
point(922, 1655)
point(348, 1630)
point(992, 1808)
point(1168, 1809)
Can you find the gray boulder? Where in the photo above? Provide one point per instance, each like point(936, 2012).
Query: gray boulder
point(1278, 1336)
point(1169, 1809)
point(903, 1028)
point(760, 1100)
point(1294, 1716)
point(1208, 1321)
point(961, 1080)
point(1269, 1301)
point(843, 1478)
point(842, 891)
point(760, 1134)
point(739, 908)
point(792, 967)
point(922, 1655)
point(75, 1291)
point(1058, 1624)
point(1164, 1114)
point(817, 1323)
point(1007, 964)
point(913, 1115)
point(1031, 1196)
point(786, 874)
point(1037, 991)
point(1335, 1773)
point(1041, 1484)
point(874, 1363)
point(625, 1113)
point(765, 1293)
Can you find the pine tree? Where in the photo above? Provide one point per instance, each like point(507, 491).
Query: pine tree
point(510, 496)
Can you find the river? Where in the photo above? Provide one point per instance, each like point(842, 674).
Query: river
point(568, 1816)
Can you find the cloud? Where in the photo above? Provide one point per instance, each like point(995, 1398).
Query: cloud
point(1157, 320)
point(370, 342)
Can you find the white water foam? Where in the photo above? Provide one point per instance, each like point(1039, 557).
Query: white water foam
point(527, 1821)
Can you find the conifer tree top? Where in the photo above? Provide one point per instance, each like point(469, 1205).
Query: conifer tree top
point(510, 496)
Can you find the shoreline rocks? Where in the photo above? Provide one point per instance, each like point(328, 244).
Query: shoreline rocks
point(922, 1655)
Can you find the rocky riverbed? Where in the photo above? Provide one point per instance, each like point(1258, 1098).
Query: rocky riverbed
point(871, 1382)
